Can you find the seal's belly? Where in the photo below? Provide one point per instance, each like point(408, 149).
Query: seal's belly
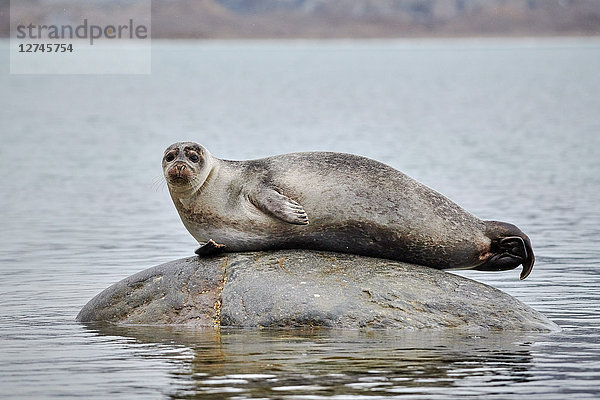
point(356, 237)
point(354, 227)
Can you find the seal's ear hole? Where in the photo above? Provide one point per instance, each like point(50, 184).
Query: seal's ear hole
point(169, 157)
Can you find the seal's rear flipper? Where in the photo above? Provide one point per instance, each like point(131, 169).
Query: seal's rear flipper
point(210, 248)
point(529, 260)
point(509, 248)
point(272, 202)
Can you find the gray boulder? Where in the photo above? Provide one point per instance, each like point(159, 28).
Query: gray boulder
point(301, 288)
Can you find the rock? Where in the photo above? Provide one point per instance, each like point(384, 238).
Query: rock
point(301, 288)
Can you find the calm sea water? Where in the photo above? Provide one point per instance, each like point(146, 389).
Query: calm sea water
point(509, 129)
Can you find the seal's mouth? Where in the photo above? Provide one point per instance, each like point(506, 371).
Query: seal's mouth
point(179, 174)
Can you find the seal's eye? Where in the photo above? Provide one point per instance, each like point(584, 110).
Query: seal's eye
point(169, 157)
point(194, 158)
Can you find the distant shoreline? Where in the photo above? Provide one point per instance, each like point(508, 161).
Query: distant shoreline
point(317, 19)
point(549, 35)
point(411, 39)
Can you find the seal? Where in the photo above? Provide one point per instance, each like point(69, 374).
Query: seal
point(332, 201)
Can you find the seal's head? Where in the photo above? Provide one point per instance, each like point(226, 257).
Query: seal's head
point(509, 248)
point(186, 166)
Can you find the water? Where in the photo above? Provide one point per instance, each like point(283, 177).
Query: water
point(509, 129)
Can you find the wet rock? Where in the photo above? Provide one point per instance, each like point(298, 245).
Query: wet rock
point(297, 288)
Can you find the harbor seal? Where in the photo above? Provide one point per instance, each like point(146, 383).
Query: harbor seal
point(332, 201)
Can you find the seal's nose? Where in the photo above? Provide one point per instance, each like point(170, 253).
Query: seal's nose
point(180, 168)
point(178, 173)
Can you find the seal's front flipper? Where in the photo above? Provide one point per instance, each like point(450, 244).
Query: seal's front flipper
point(272, 202)
point(210, 248)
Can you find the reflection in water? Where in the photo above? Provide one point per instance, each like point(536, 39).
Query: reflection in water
point(327, 362)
